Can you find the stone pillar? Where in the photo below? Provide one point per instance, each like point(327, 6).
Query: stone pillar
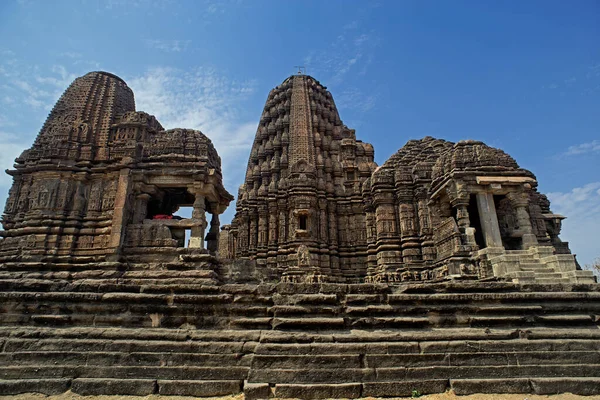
point(120, 214)
point(198, 213)
point(489, 220)
point(520, 202)
point(140, 209)
point(212, 238)
point(463, 220)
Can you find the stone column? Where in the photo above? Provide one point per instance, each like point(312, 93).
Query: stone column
point(489, 220)
point(198, 213)
point(120, 214)
point(463, 220)
point(520, 202)
point(212, 238)
point(140, 208)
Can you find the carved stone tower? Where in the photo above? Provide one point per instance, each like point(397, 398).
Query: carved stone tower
point(99, 175)
point(299, 212)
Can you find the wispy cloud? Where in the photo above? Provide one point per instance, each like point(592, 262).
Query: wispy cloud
point(581, 206)
point(346, 58)
point(351, 50)
point(583, 148)
point(169, 46)
point(34, 86)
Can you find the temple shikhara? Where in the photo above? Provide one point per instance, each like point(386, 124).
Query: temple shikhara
point(440, 269)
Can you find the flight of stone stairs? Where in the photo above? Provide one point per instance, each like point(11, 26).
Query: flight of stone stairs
point(96, 336)
point(539, 265)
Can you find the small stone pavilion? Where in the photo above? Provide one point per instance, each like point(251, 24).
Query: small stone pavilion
point(314, 206)
point(98, 175)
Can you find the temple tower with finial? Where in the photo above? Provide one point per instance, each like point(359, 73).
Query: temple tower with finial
point(299, 212)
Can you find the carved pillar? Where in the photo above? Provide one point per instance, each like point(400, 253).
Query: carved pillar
point(140, 208)
point(333, 231)
point(198, 213)
point(212, 238)
point(459, 199)
point(282, 225)
point(242, 236)
point(489, 220)
point(520, 202)
point(253, 234)
point(262, 229)
point(120, 213)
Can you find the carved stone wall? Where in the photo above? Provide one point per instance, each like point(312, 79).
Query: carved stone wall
point(402, 225)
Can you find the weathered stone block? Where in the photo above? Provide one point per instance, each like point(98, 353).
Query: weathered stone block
point(507, 385)
point(94, 387)
point(319, 391)
point(199, 388)
point(256, 391)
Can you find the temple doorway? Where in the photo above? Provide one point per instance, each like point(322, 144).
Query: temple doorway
point(476, 221)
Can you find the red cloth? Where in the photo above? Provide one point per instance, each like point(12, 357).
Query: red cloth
point(162, 216)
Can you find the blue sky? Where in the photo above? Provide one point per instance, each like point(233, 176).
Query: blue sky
point(522, 76)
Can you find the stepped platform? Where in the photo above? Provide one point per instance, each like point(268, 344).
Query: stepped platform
point(155, 334)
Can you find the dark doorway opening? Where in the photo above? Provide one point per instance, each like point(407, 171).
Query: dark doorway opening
point(476, 221)
point(303, 222)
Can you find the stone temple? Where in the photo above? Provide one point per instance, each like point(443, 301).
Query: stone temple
point(316, 208)
point(337, 278)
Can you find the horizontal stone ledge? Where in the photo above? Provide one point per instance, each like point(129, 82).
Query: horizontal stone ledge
point(286, 323)
point(336, 361)
point(473, 372)
point(125, 346)
point(130, 334)
point(133, 372)
point(405, 388)
point(500, 358)
point(302, 349)
point(125, 359)
point(311, 376)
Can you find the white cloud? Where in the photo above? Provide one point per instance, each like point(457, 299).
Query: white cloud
point(581, 206)
point(169, 46)
point(589, 147)
point(205, 100)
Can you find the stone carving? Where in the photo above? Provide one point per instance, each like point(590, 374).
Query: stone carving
point(434, 210)
point(309, 166)
point(303, 256)
point(99, 170)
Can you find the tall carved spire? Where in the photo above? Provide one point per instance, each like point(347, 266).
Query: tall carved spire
point(83, 116)
point(298, 205)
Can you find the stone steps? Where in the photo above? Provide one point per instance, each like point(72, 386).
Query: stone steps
point(309, 341)
point(278, 361)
